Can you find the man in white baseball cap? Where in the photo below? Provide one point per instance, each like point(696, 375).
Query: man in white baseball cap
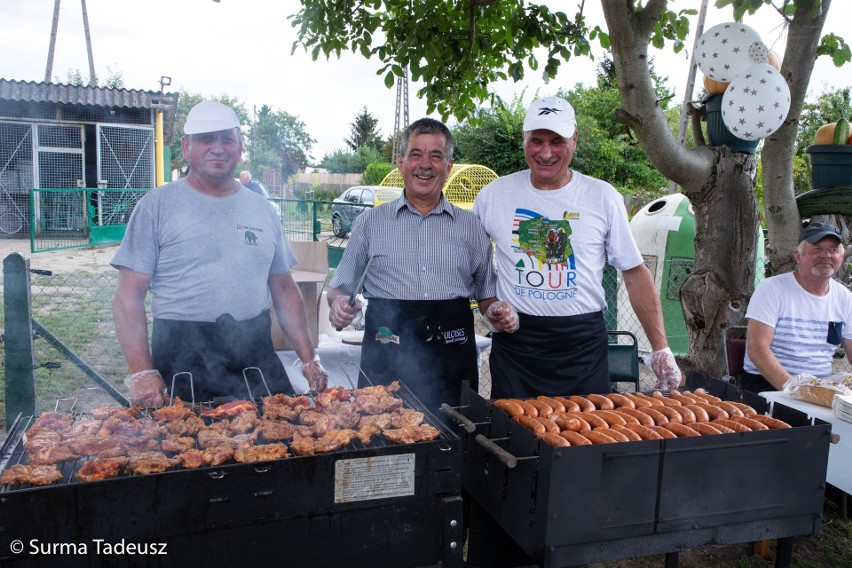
point(210, 116)
point(218, 265)
point(551, 113)
point(554, 231)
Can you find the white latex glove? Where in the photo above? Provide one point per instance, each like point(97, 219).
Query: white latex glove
point(316, 374)
point(341, 314)
point(665, 368)
point(146, 389)
point(502, 316)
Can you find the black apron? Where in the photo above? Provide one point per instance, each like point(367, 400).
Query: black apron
point(428, 345)
point(216, 353)
point(561, 355)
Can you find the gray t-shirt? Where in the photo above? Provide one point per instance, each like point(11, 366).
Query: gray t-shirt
point(207, 255)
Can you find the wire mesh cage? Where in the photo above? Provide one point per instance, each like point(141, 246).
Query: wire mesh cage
point(462, 186)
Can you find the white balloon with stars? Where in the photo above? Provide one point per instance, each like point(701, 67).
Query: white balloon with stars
point(756, 102)
point(725, 50)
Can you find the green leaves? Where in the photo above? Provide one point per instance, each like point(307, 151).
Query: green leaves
point(836, 48)
point(436, 41)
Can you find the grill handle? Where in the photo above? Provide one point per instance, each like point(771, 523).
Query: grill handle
point(502, 455)
point(458, 417)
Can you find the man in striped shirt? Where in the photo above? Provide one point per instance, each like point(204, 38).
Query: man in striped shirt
point(797, 320)
point(429, 259)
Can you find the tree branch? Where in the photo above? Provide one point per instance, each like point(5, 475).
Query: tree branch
point(630, 29)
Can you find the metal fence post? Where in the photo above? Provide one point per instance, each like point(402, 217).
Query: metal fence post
point(317, 227)
point(18, 337)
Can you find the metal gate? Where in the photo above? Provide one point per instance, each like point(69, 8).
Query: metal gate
point(60, 158)
point(16, 177)
point(125, 156)
point(125, 160)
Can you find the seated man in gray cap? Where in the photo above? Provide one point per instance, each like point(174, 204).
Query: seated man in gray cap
point(797, 320)
point(217, 263)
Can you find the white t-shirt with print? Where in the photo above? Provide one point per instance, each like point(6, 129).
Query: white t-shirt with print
point(552, 245)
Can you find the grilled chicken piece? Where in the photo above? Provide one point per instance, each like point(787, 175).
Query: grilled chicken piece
point(45, 447)
point(262, 452)
point(177, 411)
point(242, 423)
point(82, 427)
point(102, 468)
point(381, 421)
point(275, 430)
point(217, 455)
point(192, 458)
point(376, 404)
point(366, 433)
point(399, 418)
point(411, 434)
point(177, 444)
point(189, 426)
point(230, 409)
point(104, 412)
point(55, 421)
point(150, 462)
point(333, 394)
point(329, 442)
point(30, 474)
point(284, 407)
point(211, 437)
point(404, 417)
point(120, 423)
point(85, 444)
point(378, 390)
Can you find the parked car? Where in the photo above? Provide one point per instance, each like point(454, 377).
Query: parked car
point(352, 202)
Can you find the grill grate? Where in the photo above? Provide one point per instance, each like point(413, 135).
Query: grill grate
point(12, 450)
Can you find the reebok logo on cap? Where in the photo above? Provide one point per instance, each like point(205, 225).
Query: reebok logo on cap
point(551, 113)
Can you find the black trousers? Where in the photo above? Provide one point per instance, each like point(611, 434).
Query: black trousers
point(221, 357)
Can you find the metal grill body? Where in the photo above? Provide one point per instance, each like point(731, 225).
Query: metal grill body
point(380, 505)
point(578, 505)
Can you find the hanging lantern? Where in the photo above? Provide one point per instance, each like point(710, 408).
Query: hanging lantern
point(725, 50)
point(756, 102)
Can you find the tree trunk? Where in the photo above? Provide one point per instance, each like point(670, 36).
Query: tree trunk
point(716, 294)
point(718, 182)
point(779, 200)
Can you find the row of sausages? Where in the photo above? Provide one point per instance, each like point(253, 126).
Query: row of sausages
point(626, 417)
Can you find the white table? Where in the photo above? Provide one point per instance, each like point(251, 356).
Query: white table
point(839, 471)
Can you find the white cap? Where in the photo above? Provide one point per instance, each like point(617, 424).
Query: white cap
point(551, 113)
point(210, 116)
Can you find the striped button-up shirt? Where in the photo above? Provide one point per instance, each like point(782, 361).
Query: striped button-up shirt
point(441, 256)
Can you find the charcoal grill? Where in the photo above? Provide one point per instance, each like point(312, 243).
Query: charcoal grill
point(579, 505)
point(378, 505)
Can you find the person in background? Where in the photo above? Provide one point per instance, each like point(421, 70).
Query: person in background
point(797, 320)
point(248, 181)
point(561, 346)
point(217, 264)
point(429, 258)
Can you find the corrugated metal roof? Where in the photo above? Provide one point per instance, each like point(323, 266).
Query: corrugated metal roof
point(95, 96)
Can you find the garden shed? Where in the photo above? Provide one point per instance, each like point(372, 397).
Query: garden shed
point(68, 137)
